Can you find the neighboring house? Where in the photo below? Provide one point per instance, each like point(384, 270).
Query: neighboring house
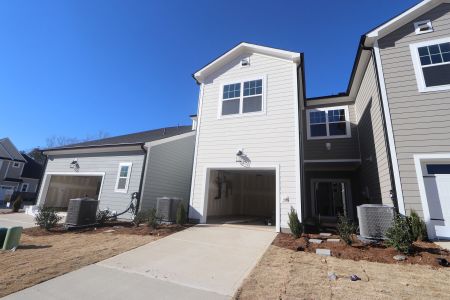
point(18, 172)
point(154, 163)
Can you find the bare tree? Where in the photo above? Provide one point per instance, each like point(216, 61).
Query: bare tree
point(58, 141)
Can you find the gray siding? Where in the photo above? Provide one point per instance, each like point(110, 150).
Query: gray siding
point(32, 184)
point(168, 171)
point(342, 148)
point(107, 163)
point(12, 172)
point(374, 170)
point(420, 120)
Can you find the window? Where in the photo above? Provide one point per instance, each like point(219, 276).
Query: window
point(438, 169)
point(432, 65)
point(24, 187)
point(328, 122)
point(123, 177)
point(16, 164)
point(242, 98)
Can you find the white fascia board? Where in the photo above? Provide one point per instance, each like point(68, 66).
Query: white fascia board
point(170, 139)
point(401, 20)
point(245, 48)
point(99, 149)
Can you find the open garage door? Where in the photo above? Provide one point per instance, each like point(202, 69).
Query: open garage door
point(62, 188)
point(242, 196)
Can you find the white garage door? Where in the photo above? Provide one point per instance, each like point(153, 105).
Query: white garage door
point(437, 186)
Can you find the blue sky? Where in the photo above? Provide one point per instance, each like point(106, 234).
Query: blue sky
point(74, 68)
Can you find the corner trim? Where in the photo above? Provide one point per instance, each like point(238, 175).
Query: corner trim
point(390, 132)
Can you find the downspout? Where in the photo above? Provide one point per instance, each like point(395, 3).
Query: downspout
point(38, 189)
point(141, 182)
point(383, 119)
point(301, 106)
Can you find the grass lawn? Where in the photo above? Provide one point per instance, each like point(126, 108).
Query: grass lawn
point(288, 274)
point(44, 255)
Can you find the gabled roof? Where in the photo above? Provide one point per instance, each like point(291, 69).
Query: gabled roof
point(9, 151)
point(129, 139)
point(243, 48)
point(401, 19)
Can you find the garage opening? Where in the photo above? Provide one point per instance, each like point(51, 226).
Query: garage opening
point(242, 197)
point(62, 188)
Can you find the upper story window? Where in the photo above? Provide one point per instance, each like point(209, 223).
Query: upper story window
point(123, 177)
point(432, 64)
point(242, 98)
point(24, 187)
point(16, 164)
point(328, 122)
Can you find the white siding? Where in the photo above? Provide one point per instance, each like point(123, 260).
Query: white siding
point(168, 171)
point(268, 139)
point(102, 162)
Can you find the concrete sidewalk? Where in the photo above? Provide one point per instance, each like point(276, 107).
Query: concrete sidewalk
point(16, 219)
point(203, 262)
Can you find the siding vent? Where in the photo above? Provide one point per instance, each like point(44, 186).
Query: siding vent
point(423, 27)
point(245, 62)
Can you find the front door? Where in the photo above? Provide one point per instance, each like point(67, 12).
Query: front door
point(331, 197)
point(437, 188)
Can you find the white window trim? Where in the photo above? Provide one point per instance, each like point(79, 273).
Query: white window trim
point(16, 162)
point(122, 164)
point(27, 185)
point(241, 98)
point(418, 67)
point(417, 26)
point(328, 136)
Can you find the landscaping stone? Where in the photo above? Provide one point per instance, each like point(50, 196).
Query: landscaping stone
point(109, 230)
point(354, 278)
point(399, 257)
point(325, 234)
point(323, 252)
point(332, 276)
point(333, 240)
point(315, 241)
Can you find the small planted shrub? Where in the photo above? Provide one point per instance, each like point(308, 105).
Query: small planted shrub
point(294, 223)
point(17, 204)
point(418, 227)
point(346, 229)
point(399, 235)
point(153, 219)
point(103, 216)
point(141, 217)
point(181, 215)
point(47, 218)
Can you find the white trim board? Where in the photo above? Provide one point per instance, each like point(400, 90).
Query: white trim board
point(297, 144)
point(207, 171)
point(127, 183)
point(390, 132)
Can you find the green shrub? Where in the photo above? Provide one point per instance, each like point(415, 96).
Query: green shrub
point(153, 219)
point(399, 235)
point(294, 223)
point(103, 216)
point(141, 217)
point(47, 218)
point(418, 227)
point(346, 229)
point(181, 214)
point(17, 204)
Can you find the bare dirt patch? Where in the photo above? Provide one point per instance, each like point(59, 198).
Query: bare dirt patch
point(424, 253)
point(44, 255)
point(286, 274)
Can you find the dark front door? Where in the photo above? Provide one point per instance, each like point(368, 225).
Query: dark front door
point(330, 198)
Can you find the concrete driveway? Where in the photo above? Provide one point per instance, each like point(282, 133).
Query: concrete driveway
point(16, 219)
point(203, 262)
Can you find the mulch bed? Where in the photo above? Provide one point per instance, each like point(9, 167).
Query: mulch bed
point(111, 227)
point(424, 253)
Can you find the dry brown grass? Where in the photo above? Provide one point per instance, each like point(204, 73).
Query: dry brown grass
point(287, 274)
point(43, 257)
